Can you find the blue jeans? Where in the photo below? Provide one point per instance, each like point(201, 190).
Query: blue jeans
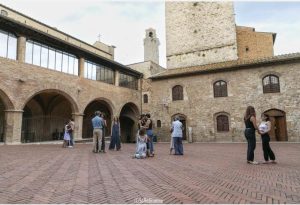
point(71, 139)
point(178, 145)
point(150, 143)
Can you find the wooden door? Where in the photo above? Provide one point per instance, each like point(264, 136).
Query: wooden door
point(278, 130)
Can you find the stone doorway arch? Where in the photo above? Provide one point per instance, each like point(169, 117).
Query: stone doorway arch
point(183, 120)
point(278, 131)
point(105, 107)
point(45, 116)
point(128, 121)
point(5, 104)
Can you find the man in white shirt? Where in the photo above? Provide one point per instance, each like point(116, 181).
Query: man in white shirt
point(177, 136)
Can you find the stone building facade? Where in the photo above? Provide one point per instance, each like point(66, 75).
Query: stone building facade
point(199, 108)
point(47, 77)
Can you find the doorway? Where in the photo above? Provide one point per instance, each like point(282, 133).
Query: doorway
point(278, 131)
point(182, 119)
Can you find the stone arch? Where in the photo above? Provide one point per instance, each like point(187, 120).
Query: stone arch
point(129, 116)
point(6, 101)
point(278, 130)
point(5, 104)
point(45, 114)
point(73, 103)
point(183, 119)
point(98, 104)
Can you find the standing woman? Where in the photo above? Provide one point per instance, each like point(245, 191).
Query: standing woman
point(115, 135)
point(251, 126)
point(264, 128)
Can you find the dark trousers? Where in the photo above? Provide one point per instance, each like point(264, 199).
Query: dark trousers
point(268, 153)
point(71, 142)
point(178, 145)
point(115, 142)
point(250, 136)
point(103, 140)
point(150, 143)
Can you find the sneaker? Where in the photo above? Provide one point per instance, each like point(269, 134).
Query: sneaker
point(70, 146)
point(253, 162)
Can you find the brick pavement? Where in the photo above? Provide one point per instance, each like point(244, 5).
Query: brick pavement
point(207, 173)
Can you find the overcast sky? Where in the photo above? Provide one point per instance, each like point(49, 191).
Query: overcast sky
point(123, 23)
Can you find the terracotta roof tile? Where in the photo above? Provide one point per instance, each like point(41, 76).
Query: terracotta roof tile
point(222, 66)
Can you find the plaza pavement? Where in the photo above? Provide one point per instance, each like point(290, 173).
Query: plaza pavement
point(207, 173)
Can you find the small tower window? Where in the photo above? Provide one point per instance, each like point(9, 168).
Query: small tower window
point(150, 34)
point(145, 98)
point(158, 123)
point(247, 49)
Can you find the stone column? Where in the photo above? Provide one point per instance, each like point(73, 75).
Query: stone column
point(117, 78)
point(81, 67)
point(21, 48)
point(78, 118)
point(13, 126)
point(140, 81)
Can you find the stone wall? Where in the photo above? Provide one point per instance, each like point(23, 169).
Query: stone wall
point(148, 68)
point(244, 88)
point(253, 45)
point(200, 33)
point(20, 82)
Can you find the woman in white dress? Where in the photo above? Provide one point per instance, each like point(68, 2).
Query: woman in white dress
point(67, 137)
point(141, 147)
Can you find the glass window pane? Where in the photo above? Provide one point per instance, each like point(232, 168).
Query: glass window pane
point(36, 54)
point(89, 71)
point(12, 47)
point(94, 72)
point(28, 54)
point(71, 65)
point(65, 63)
point(3, 44)
point(58, 60)
point(44, 57)
point(51, 59)
point(85, 70)
point(76, 66)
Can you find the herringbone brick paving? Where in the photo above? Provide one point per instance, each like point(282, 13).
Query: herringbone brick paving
point(207, 173)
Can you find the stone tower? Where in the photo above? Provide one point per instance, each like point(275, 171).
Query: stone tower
point(200, 33)
point(151, 44)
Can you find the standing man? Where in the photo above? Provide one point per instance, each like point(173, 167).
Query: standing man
point(97, 123)
point(104, 126)
point(71, 131)
point(177, 136)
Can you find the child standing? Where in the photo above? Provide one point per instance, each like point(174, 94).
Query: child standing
point(67, 136)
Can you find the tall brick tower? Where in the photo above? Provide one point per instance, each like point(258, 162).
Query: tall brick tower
point(200, 33)
point(151, 44)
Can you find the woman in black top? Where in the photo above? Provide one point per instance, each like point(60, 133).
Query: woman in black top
point(250, 123)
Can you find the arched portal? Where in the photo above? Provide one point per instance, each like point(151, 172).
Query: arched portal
point(182, 119)
point(45, 116)
point(89, 113)
point(128, 120)
point(5, 104)
point(278, 131)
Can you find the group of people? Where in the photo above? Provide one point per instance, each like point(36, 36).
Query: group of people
point(144, 138)
point(99, 128)
point(68, 134)
point(263, 129)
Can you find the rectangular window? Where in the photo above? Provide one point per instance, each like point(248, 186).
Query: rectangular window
point(71, 65)
point(3, 44)
point(44, 57)
point(36, 54)
point(75, 66)
point(51, 60)
point(98, 72)
point(65, 63)
point(128, 81)
point(29, 50)
point(58, 59)
point(12, 47)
